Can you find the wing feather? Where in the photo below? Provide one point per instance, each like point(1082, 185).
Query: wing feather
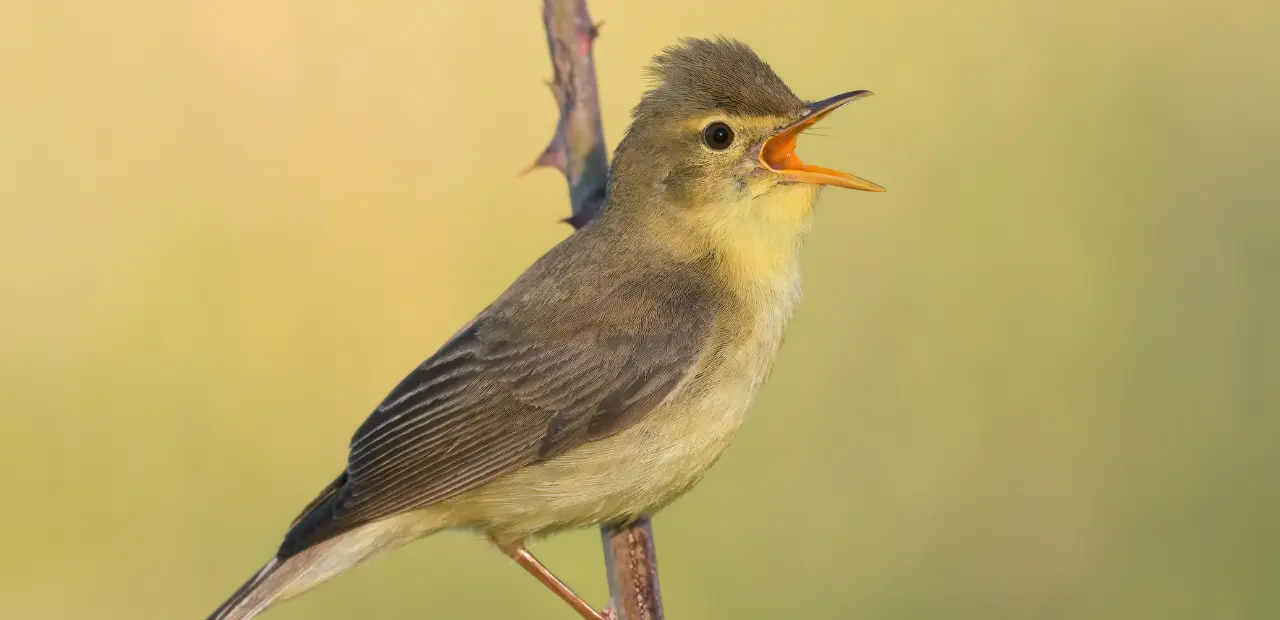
point(507, 392)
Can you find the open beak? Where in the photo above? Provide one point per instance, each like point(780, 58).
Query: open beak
point(779, 152)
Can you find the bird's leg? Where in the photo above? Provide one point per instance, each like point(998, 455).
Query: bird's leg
point(531, 564)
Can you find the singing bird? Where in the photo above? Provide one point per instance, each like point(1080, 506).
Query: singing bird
point(615, 371)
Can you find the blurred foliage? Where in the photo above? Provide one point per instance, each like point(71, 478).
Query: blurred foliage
point(1037, 379)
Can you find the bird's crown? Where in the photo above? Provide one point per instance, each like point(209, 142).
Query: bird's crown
point(719, 74)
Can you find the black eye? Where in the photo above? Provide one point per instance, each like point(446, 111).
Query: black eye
point(718, 136)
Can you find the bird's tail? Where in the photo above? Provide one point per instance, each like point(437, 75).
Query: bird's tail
point(286, 577)
point(252, 597)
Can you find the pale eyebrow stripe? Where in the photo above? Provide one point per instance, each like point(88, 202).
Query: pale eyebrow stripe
point(733, 121)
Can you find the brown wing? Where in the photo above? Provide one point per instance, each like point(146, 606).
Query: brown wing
point(499, 396)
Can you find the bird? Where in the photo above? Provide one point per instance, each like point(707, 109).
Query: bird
point(606, 380)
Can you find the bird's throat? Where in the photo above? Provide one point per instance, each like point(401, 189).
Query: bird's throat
point(759, 247)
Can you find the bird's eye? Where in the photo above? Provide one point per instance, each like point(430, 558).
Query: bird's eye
point(718, 136)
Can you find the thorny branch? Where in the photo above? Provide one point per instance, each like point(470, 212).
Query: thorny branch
point(577, 149)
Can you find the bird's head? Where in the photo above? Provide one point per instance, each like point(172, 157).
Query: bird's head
point(718, 131)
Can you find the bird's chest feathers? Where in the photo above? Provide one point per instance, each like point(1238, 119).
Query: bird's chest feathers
point(686, 436)
point(744, 349)
point(759, 262)
point(764, 287)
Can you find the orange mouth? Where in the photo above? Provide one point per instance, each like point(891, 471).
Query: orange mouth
point(779, 152)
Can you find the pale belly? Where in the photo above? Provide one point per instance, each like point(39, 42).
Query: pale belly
point(633, 473)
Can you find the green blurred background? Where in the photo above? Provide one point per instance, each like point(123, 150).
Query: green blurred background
point(1037, 379)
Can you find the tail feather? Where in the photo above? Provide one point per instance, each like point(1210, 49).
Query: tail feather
point(251, 597)
point(287, 576)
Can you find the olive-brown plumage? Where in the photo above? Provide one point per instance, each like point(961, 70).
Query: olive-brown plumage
point(607, 379)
